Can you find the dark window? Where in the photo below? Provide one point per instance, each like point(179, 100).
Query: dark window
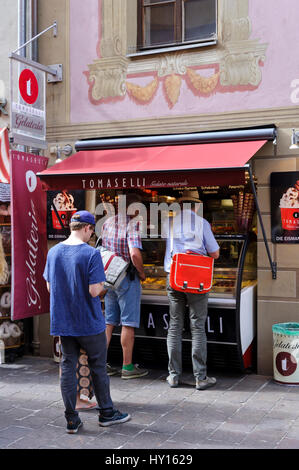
point(175, 22)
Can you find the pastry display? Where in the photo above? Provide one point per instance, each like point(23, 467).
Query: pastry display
point(154, 283)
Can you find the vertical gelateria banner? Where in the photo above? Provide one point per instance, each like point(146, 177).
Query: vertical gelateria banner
point(29, 236)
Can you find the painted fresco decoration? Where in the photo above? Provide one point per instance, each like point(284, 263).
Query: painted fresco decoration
point(235, 64)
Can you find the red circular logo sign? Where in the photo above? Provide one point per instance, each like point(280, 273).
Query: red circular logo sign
point(28, 86)
point(286, 364)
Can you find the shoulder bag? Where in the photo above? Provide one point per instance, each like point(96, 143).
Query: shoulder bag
point(190, 272)
point(115, 267)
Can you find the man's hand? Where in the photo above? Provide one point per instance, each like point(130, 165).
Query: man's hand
point(137, 261)
point(103, 293)
point(96, 289)
point(142, 276)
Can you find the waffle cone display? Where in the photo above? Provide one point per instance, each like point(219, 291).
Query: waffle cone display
point(244, 207)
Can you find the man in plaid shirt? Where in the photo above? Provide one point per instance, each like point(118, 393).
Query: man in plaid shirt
point(121, 235)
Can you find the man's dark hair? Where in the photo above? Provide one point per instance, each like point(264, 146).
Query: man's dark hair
point(74, 226)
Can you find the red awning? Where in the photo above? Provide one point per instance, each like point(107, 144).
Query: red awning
point(180, 165)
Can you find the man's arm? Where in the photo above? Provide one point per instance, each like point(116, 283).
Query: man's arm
point(137, 261)
point(214, 254)
point(94, 289)
point(97, 289)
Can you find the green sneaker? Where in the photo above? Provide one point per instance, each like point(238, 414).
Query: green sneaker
point(133, 374)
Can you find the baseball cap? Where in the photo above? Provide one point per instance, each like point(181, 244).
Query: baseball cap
point(83, 216)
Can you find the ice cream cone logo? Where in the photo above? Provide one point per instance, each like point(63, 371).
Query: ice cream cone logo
point(286, 363)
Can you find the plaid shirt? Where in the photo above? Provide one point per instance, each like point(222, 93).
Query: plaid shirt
point(121, 234)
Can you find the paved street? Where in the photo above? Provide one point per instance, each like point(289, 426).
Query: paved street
point(240, 412)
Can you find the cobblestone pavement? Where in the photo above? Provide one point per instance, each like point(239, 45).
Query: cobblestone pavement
point(240, 412)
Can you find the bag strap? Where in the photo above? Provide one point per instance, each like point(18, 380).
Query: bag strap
point(171, 236)
point(108, 262)
point(98, 242)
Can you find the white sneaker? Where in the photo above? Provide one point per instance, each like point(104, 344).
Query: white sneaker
point(173, 381)
point(205, 383)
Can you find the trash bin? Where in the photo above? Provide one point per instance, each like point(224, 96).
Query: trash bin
point(286, 353)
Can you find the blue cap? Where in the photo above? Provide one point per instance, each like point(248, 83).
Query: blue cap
point(83, 216)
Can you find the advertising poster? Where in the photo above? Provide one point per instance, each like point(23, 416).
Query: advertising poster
point(61, 205)
point(30, 296)
point(285, 207)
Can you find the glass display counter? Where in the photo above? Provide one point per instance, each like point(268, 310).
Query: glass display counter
point(230, 326)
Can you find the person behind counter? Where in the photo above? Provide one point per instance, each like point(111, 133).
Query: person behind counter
point(202, 242)
point(122, 305)
point(75, 276)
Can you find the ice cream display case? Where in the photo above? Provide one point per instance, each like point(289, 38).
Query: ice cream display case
point(230, 326)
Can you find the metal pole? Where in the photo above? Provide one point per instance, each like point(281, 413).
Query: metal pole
point(34, 30)
point(22, 24)
point(273, 265)
point(54, 25)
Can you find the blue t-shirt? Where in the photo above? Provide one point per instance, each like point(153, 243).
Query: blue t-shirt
point(70, 269)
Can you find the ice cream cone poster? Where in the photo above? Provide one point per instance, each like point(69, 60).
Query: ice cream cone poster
point(285, 207)
point(61, 205)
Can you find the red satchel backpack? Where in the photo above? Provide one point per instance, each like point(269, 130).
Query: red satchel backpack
point(190, 272)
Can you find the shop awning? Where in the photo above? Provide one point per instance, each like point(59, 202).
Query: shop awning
point(163, 166)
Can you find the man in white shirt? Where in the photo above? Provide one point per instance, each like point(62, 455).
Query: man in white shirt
point(193, 233)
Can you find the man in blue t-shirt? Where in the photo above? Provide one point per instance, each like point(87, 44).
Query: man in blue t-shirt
point(75, 278)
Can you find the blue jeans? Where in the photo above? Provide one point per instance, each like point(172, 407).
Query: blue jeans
point(96, 350)
point(122, 305)
point(198, 310)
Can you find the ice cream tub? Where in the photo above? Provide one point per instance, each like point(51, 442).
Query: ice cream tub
point(290, 218)
point(65, 217)
point(63, 209)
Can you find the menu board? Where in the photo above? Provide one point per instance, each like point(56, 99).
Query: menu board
point(61, 205)
point(285, 207)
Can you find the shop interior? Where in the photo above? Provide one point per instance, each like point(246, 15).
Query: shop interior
point(231, 212)
point(229, 209)
point(231, 322)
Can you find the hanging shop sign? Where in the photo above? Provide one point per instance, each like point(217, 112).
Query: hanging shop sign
point(61, 205)
point(29, 244)
point(285, 207)
point(28, 105)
